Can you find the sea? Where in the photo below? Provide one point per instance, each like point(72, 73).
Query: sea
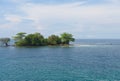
point(83, 60)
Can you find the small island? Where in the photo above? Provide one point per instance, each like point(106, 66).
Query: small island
point(37, 39)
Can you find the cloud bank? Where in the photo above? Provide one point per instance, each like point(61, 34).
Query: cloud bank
point(81, 18)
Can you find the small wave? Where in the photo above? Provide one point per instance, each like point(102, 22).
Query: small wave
point(81, 45)
point(92, 45)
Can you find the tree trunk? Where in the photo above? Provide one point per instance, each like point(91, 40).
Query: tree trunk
point(6, 44)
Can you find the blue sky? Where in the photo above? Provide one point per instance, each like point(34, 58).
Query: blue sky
point(85, 19)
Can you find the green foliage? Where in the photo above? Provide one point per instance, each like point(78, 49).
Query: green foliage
point(4, 41)
point(54, 40)
point(37, 39)
point(19, 36)
point(66, 38)
point(21, 43)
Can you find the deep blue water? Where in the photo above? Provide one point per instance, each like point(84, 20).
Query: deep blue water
point(98, 41)
point(90, 62)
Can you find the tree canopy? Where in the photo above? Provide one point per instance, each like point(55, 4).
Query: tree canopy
point(54, 40)
point(37, 39)
point(66, 38)
point(4, 41)
point(19, 36)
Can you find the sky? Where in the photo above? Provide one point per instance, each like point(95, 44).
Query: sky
point(85, 19)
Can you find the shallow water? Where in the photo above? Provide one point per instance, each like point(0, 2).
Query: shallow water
point(74, 63)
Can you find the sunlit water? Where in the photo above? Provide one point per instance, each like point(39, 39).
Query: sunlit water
point(73, 63)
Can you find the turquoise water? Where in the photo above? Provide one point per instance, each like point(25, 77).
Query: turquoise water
point(74, 63)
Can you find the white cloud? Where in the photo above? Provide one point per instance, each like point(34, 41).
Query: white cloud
point(18, 1)
point(8, 25)
point(13, 18)
point(114, 1)
point(73, 10)
point(77, 17)
point(14, 0)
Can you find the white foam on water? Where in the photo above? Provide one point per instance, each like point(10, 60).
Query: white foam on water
point(79, 45)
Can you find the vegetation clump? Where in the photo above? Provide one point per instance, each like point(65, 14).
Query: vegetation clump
point(54, 40)
point(37, 39)
point(4, 41)
point(66, 38)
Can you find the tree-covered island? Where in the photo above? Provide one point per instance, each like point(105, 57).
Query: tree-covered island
point(37, 39)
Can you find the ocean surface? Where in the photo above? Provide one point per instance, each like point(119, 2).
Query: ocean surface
point(86, 60)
